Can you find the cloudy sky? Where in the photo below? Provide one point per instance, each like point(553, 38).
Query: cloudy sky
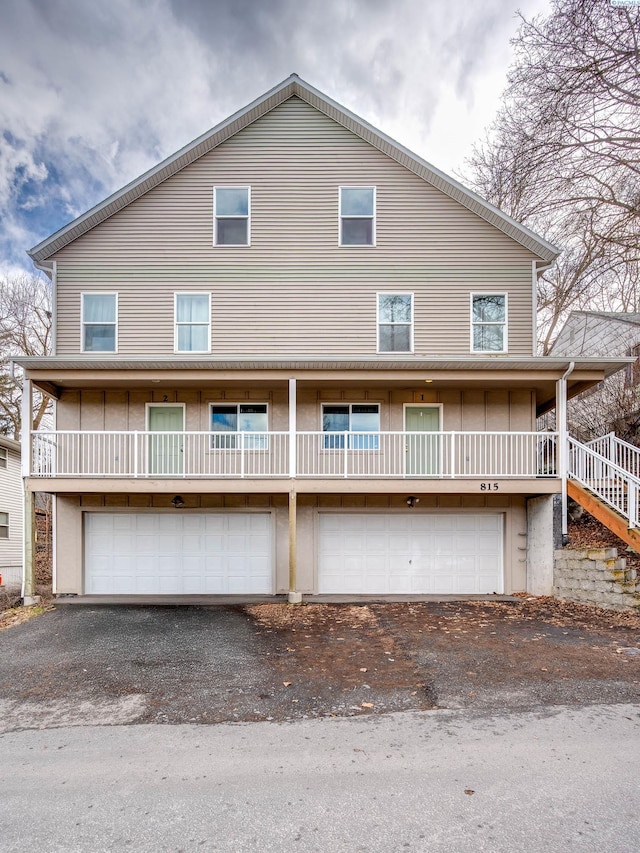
point(94, 93)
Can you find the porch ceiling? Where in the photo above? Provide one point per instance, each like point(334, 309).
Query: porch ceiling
point(58, 372)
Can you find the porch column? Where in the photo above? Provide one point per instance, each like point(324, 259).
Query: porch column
point(29, 519)
point(295, 597)
point(293, 405)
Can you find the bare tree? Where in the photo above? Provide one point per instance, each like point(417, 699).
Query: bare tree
point(563, 155)
point(25, 329)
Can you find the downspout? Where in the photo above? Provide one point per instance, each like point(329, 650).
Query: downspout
point(561, 413)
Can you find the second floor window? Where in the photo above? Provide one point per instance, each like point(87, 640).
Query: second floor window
point(488, 322)
point(232, 418)
point(231, 213)
point(3, 457)
point(193, 322)
point(99, 319)
point(395, 322)
point(355, 418)
point(4, 525)
point(357, 216)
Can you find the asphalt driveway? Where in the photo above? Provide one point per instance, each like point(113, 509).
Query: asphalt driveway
point(114, 665)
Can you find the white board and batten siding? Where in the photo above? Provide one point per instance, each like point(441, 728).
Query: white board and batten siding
point(279, 295)
point(12, 503)
point(393, 553)
point(179, 553)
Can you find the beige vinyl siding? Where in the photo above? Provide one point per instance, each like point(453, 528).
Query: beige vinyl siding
point(11, 502)
point(463, 410)
point(294, 290)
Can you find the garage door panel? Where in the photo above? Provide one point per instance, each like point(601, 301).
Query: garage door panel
point(190, 553)
point(403, 553)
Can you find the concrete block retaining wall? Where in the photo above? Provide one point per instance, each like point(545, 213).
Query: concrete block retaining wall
point(596, 576)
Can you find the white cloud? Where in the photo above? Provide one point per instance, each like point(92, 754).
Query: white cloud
point(91, 95)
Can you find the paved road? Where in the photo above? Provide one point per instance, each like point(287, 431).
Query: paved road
point(562, 779)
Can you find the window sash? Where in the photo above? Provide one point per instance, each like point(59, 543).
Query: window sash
point(395, 322)
point(357, 419)
point(235, 418)
point(4, 457)
point(192, 322)
point(99, 322)
point(357, 216)
point(488, 322)
point(4, 525)
point(232, 210)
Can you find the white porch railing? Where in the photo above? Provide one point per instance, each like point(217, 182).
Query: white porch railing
point(74, 453)
point(617, 451)
point(607, 480)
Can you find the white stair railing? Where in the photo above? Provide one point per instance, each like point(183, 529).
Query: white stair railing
point(616, 450)
point(610, 482)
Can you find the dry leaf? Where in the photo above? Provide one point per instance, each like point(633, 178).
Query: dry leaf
point(363, 669)
point(469, 791)
point(367, 705)
point(287, 683)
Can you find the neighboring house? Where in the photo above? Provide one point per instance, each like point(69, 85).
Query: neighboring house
point(296, 358)
point(614, 405)
point(11, 511)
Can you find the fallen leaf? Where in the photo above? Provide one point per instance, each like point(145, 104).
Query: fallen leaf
point(469, 791)
point(363, 669)
point(367, 705)
point(287, 683)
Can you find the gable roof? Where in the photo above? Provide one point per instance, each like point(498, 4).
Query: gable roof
point(293, 86)
point(592, 333)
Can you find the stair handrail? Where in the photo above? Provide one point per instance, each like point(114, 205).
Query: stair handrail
point(621, 494)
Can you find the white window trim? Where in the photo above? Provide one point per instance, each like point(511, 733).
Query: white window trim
point(248, 216)
point(176, 324)
point(373, 218)
point(412, 324)
point(4, 458)
point(350, 431)
point(82, 321)
point(505, 337)
point(7, 525)
point(237, 404)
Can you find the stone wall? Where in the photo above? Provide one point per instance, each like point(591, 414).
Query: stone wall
point(596, 576)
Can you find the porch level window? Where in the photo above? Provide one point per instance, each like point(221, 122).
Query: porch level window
point(99, 312)
point(355, 418)
point(193, 313)
point(489, 322)
point(395, 322)
point(239, 417)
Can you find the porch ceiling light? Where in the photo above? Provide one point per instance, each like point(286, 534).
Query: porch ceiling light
point(428, 380)
point(177, 501)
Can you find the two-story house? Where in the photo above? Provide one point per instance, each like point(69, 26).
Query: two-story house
point(296, 358)
point(11, 512)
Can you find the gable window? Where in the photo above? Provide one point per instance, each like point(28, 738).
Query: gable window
point(395, 322)
point(488, 322)
point(4, 455)
point(357, 419)
point(357, 216)
point(193, 322)
point(231, 213)
point(227, 420)
point(4, 525)
point(99, 317)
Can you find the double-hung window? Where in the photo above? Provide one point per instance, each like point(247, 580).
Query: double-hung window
point(99, 322)
point(360, 420)
point(357, 216)
point(4, 525)
point(395, 322)
point(193, 322)
point(231, 216)
point(4, 455)
point(230, 419)
point(488, 322)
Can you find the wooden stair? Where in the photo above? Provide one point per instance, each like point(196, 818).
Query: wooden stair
point(604, 514)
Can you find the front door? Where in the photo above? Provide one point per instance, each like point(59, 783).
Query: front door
point(423, 446)
point(166, 449)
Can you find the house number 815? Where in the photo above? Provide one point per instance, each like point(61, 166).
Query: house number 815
point(488, 487)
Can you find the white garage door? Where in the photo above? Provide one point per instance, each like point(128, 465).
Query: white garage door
point(178, 553)
point(384, 553)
